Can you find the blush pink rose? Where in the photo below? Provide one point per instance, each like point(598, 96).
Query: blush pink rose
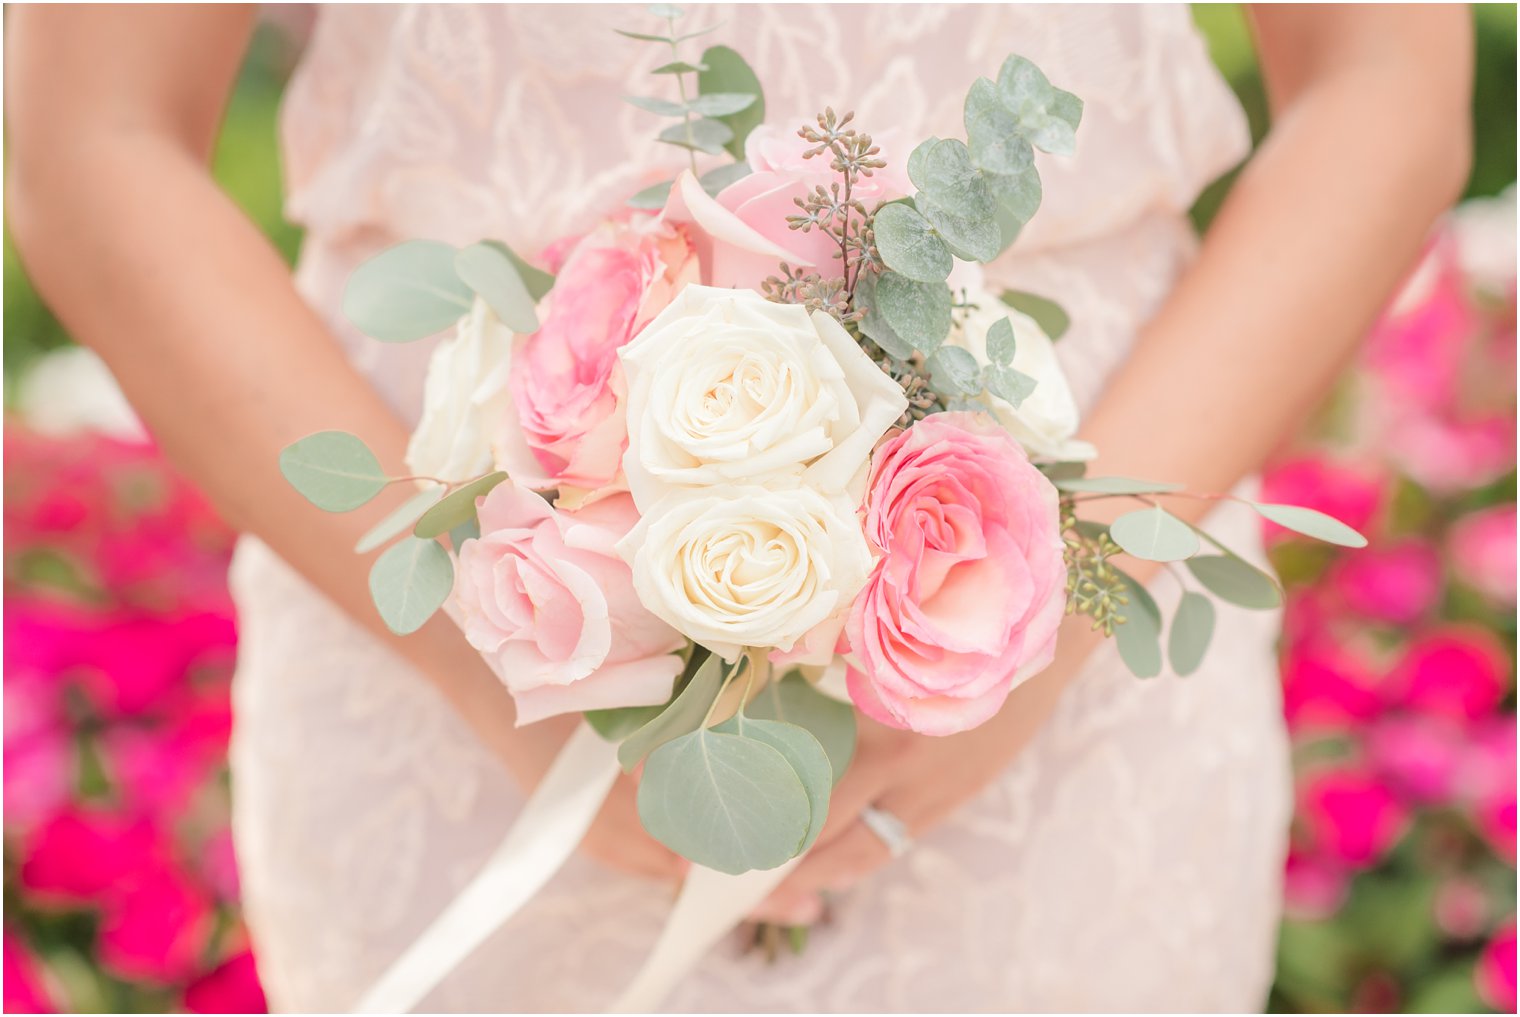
point(550, 603)
point(970, 588)
point(1395, 583)
point(566, 427)
point(1483, 552)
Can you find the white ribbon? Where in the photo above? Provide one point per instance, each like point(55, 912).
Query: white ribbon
point(550, 826)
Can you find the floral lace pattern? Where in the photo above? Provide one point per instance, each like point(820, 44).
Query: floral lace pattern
point(1140, 835)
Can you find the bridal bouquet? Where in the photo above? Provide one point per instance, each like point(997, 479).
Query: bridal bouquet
point(761, 450)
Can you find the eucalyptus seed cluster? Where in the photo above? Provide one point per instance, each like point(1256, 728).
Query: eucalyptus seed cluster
point(1093, 587)
point(812, 291)
point(914, 379)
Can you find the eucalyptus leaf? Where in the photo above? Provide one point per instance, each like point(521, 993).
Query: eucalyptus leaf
point(795, 700)
point(949, 175)
point(619, 722)
point(726, 802)
point(1139, 636)
point(1154, 534)
point(643, 36)
point(1018, 196)
point(1192, 629)
point(918, 312)
point(1064, 471)
point(409, 582)
point(457, 508)
point(1310, 523)
point(700, 32)
point(873, 324)
point(682, 716)
point(652, 197)
point(972, 234)
point(400, 518)
point(1115, 485)
point(1047, 314)
point(714, 180)
point(954, 371)
point(491, 274)
point(670, 11)
point(407, 292)
point(334, 470)
point(707, 136)
point(721, 104)
point(909, 245)
point(537, 281)
point(1048, 116)
point(1236, 580)
point(467, 530)
point(724, 71)
point(992, 132)
point(1008, 384)
point(657, 106)
point(1001, 345)
point(918, 162)
point(805, 756)
point(678, 67)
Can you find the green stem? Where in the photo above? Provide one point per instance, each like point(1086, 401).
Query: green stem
point(675, 54)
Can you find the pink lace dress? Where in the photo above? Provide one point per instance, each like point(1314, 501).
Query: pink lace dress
point(1130, 858)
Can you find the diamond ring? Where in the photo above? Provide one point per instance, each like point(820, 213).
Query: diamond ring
point(890, 830)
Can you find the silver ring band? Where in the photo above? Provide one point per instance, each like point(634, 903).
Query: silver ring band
point(890, 830)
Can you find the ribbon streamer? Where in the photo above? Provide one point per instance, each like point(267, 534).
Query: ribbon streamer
point(547, 832)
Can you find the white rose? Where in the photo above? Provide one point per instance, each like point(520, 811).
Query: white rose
point(463, 399)
point(743, 566)
point(1046, 421)
point(726, 387)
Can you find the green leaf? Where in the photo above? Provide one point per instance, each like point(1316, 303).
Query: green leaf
point(652, 197)
point(1154, 534)
point(1115, 485)
point(492, 275)
point(1139, 636)
point(918, 162)
point(619, 722)
point(1047, 314)
point(1008, 384)
point(1047, 116)
point(954, 371)
point(681, 716)
point(700, 32)
point(538, 282)
point(725, 71)
point(409, 582)
point(1236, 580)
point(670, 11)
point(700, 135)
point(678, 67)
point(973, 236)
point(643, 36)
point(721, 104)
point(795, 700)
point(334, 470)
point(467, 530)
point(657, 106)
point(399, 519)
point(407, 292)
point(992, 132)
point(873, 325)
point(909, 245)
point(1192, 628)
point(1018, 198)
point(457, 508)
point(917, 312)
point(1311, 524)
point(1001, 345)
point(714, 180)
point(730, 803)
point(805, 756)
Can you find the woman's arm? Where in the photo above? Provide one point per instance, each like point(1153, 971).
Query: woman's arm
point(1369, 143)
point(113, 113)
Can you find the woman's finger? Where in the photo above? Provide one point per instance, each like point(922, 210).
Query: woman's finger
point(850, 857)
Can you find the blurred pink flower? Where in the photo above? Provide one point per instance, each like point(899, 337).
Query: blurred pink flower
point(1352, 493)
point(1350, 815)
point(1418, 346)
point(218, 865)
point(159, 767)
point(1495, 973)
point(233, 987)
point(1458, 671)
point(155, 928)
point(1482, 547)
point(26, 989)
point(1327, 685)
point(1451, 455)
point(39, 750)
point(1420, 756)
point(1396, 582)
point(1461, 907)
point(84, 851)
point(1488, 783)
point(1313, 889)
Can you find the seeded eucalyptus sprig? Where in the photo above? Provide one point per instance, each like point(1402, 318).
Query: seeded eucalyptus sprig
point(716, 111)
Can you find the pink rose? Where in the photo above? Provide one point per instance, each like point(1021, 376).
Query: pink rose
point(565, 427)
point(965, 601)
point(1350, 815)
point(1327, 685)
point(27, 988)
point(1313, 888)
point(546, 597)
point(233, 987)
point(767, 196)
point(1350, 493)
point(1394, 583)
point(1482, 549)
point(1495, 973)
point(156, 928)
point(1457, 671)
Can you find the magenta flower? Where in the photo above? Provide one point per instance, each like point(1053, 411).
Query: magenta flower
point(1457, 671)
point(233, 987)
point(1482, 547)
point(1350, 493)
point(1395, 583)
point(1350, 815)
point(1421, 756)
point(26, 988)
point(1495, 973)
point(81, 853)
point(156, 927)
point(1327, 686)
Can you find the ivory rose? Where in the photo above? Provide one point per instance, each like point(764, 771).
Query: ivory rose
point(465, 393)
point(564, 428)
point(725, 387)
point(546, 598)
point(739, 566)
point(1045, 422)
point(964, 603)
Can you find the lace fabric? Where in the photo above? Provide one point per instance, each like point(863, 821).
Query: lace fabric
point(1129, 859)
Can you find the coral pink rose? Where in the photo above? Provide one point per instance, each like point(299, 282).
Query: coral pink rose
point(547, 599)
point(965, 601)
point(565, 427)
